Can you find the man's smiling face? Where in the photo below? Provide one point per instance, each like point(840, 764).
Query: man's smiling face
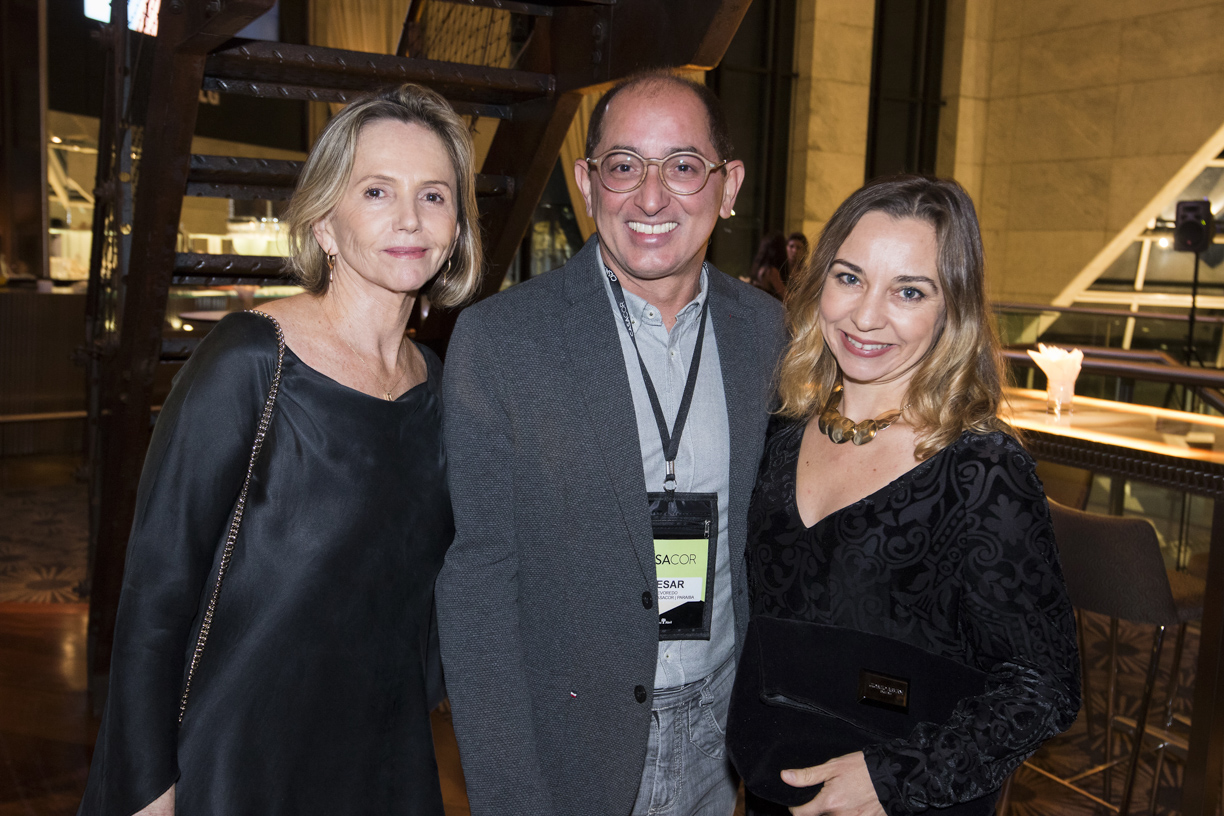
point(651, 232)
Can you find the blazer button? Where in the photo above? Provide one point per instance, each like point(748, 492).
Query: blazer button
point(639, 693)
point(646, 602)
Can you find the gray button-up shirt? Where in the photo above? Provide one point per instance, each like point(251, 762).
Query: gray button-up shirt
point(703, 463)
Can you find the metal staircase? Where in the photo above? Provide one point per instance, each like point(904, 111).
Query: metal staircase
point(143, 174)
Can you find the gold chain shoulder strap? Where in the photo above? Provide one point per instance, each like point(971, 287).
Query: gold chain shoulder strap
point(264, 420)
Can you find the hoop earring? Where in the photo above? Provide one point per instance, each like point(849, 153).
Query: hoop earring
point(442, 272)
point(331, 268)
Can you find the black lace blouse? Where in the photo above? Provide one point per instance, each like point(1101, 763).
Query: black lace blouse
point(956, 556)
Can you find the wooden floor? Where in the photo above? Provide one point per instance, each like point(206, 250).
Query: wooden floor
point(47, 735)
point(46, 731)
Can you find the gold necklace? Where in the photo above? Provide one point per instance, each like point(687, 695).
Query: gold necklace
point(841, 429)
point(387, 389)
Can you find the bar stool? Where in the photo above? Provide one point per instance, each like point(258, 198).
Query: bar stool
point(1069, 486)
point(1113, 567)
point(1188, 592)
point(1072, 487)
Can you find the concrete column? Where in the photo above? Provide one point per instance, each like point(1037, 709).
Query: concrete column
point(833, 41)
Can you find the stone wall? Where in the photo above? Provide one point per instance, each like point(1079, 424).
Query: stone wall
point(1065, 119)
point(829, 132)
point(1091, 108)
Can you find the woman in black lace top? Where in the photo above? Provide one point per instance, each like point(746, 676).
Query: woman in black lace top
point(931, 527)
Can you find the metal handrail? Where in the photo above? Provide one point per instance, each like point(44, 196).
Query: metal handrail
point(1158, 372)
point(53, 416)
point(1151, 366)
point(45, 416)
point(1119, 313)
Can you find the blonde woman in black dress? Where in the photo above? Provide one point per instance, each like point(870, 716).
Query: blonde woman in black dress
point(892, 501)
point(309, 694)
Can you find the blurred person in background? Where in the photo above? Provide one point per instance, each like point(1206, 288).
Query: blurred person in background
point(796, 254)
point(766, 272)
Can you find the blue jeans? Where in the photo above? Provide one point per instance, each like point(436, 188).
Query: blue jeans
point(687, 772)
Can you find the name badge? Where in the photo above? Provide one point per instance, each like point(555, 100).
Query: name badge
point(685, 527)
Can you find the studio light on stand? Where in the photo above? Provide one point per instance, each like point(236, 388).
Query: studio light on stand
point(1193, 231)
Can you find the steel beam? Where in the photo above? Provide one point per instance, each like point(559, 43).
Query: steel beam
point(23, 140)
point(274, 179)
point(200, 269)
point(296, 71)
point(533, 9)
point(185, 31)
point(308, 93)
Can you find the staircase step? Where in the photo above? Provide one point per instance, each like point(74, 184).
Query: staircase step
point(178, 349)
point(200, 269)
point(273, 179)
point(490, 185)
point(242, 178)
point(288, 71)
point(536, 8)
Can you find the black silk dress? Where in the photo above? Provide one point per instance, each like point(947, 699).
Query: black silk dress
point(956, 556)
point(310, 696)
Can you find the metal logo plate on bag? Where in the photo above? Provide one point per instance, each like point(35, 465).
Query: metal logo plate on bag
point(883, 691)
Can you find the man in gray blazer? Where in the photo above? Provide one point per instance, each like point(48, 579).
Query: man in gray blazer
point(589, 630)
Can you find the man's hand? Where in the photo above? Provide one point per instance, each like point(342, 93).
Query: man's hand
point(847, 788)
point(161, 806)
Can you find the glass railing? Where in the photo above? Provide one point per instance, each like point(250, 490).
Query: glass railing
point(1026, 324)
point(1141, 353)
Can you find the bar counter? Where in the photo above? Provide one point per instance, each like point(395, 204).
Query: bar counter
point(1173, 449)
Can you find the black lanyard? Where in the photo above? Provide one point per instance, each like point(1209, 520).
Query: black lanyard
point(671, 442)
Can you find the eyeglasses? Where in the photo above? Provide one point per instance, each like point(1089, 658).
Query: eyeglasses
point(623, 171)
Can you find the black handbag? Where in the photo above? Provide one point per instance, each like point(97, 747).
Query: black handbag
point(231, 537)
point(806, 693)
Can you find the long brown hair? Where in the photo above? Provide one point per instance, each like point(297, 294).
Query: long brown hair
point(958, 385)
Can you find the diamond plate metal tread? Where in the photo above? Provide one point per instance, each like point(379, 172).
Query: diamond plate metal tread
point(239, 170)
point(489, 185)
point(199, 269)
point(273, 179)
point(537, 8)
point(178, 349)
point(242, 178)
point(289, 71)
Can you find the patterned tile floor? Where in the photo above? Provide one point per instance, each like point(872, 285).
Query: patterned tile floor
point(44, 539)
point(1033, 795)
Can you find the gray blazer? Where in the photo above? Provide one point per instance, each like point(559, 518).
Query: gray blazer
point(545, 637)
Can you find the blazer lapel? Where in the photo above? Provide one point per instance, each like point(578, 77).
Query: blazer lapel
point(598, 372)
point(744, 384)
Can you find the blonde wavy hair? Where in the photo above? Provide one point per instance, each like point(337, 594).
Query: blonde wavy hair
point(958, 384)
point(326, 172)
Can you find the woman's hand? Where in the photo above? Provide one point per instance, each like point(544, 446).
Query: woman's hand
point(161, 806)
point(847, 788)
